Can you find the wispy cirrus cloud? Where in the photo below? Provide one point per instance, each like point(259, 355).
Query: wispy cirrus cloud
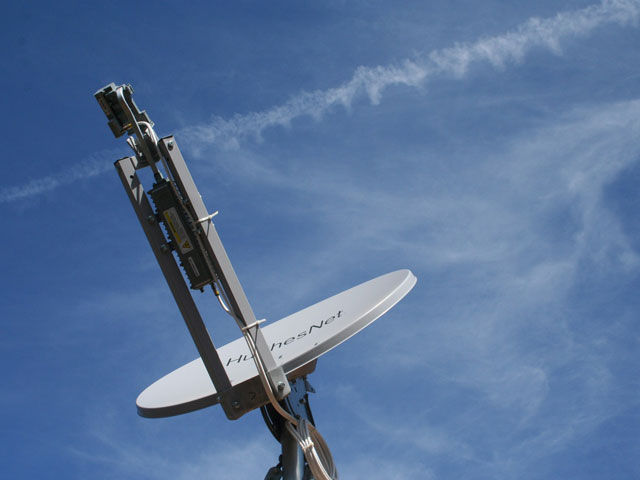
point(109, 454)
point(116, 456)
point(501, 213)
point(499, 51)
point(96, 164)
point(504, 328)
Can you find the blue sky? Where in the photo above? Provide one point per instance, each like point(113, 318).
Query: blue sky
point(491, 147)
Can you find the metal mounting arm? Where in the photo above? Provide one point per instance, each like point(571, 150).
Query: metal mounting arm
point(193, 238)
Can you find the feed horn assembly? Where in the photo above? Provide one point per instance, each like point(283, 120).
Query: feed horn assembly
point(267, 367)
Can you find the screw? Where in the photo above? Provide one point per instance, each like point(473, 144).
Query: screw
point(170, 144)
point(165, 248)
point(151, 219)
point(236, 404)
point(280, 386)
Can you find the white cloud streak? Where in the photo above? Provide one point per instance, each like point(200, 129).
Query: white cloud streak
point(96, 164)
point(372, 81)
point(499, 51)
point(546, 33)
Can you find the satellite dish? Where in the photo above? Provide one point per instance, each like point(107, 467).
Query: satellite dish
point(265, 369)
point(294, 341)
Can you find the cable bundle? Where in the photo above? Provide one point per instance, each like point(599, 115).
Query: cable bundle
point(315, 449)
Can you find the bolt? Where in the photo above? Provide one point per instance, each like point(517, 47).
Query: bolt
point(170, 144)
point(236, 404)
point(280, 386)
point(151, 219)
point(165, 248)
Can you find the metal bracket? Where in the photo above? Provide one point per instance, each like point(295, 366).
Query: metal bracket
point(126, 169)
point(194, 240)
point(220, 263)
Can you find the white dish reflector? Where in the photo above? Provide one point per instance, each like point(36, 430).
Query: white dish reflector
point(294, 341)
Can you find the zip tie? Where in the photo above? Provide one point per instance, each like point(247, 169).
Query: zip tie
point(207, 218)
point(254, 324)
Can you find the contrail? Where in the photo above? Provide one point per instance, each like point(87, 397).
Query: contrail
point(371, 82)
point(367, 81)
point(95, 164)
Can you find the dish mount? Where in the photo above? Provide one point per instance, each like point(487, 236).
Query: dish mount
point(267, 367)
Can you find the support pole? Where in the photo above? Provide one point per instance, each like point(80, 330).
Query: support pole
point(292, 457)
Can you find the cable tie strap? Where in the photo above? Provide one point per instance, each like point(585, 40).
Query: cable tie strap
point(207, 218)
point(255, 324)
